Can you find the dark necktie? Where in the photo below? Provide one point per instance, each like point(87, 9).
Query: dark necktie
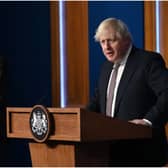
point(111, 90)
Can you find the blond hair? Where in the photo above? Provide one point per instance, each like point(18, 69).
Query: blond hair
point(117, 25)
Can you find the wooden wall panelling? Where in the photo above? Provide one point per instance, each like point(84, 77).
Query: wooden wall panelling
point(149, 26)
point(77, 65)
point(55, 60)
point(163, 30)
point(77, 52)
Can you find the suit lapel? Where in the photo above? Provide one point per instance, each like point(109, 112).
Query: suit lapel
point(126, 77)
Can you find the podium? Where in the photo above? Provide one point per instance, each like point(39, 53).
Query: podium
point(77, 137)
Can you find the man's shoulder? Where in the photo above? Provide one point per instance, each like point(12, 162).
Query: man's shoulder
point(145, 51)
point(147, 54)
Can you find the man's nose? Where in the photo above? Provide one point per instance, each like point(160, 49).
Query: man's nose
point(107, 44)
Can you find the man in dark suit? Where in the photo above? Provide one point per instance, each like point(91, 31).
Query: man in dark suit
point(133, 86)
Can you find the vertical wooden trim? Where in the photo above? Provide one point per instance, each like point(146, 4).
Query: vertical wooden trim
point(77, 64)
point(55, 60)
point(163, 30)
point(149, 25)
point(77, 52)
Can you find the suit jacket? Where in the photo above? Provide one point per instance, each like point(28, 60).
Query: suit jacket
point(142, 93)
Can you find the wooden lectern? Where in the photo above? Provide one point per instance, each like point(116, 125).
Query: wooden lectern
point(78, 137)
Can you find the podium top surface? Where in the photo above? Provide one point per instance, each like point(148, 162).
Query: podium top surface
point(75, 124)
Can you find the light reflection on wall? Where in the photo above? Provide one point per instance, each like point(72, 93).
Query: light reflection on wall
point(62, 53)
point(157, 25)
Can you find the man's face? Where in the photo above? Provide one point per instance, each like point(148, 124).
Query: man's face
point(114, 48)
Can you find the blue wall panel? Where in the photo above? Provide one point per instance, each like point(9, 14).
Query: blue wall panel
point(26, 46)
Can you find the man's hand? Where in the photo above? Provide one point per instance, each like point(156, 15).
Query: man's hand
point(140, 121)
